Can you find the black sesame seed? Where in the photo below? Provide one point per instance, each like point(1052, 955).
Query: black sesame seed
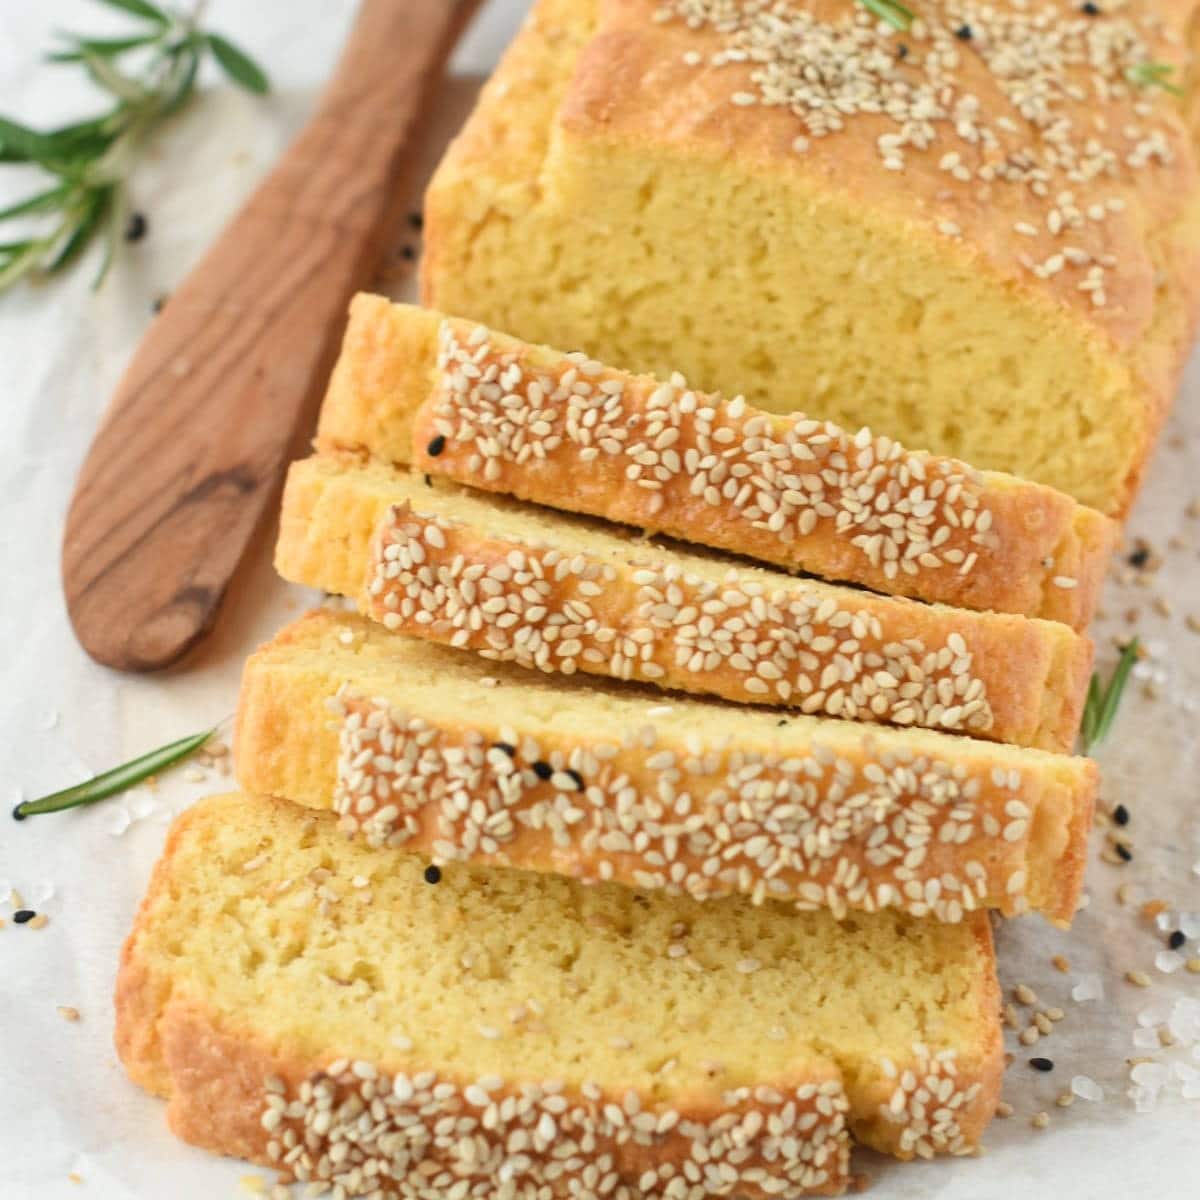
point(543, 770)
point(1042, 1064)
point(508, 749)
point(1124, 853)
point(902, 51)
point(24, 914)
point(1121, 815)
point(428, 481)
point(436, 446)
point(1177, 938)
point(137, 227)
point(158, 304)
point(433, 874)
point(1140, 557)
point(964, 33)
point(781, 722)
point(407, 252)
point(1090, 9)
point(416, 220)
point(575, 775)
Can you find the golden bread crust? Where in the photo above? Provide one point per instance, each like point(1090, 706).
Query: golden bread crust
point(818, 648)
point(1014, 837)
point(796, 493)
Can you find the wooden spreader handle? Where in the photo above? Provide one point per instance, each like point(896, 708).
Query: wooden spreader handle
point(226, 382)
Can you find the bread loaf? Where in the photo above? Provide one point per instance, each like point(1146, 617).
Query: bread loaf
point(980, 236)
point(486, 410)
point(316, 1006)
point(440, 751)
point(553, 592)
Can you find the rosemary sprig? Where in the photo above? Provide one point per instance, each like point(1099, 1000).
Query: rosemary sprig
point(1151, 74)
point(119, 779)
point(1103, 700)
point(891, 11)
point(89, 161)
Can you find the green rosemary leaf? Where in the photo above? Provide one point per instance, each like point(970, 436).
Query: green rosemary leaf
point(891, 11)
point(238, 65)
point(94, 209)
point(104, 47)
point(42, 202)
point(1103, 700)
point(19, 143)
point(20, 263)
point(187, 66)
point(141, 8)
point(113, 782)
point(112, 239)
point(1150, 74)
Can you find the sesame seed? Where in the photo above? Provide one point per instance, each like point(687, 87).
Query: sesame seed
point(23, 916)
point(1042, 1064)
point(433, 874)
point(436, 446)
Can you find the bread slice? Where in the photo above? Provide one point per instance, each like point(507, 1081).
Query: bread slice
point(441, 751)
point(562, 594)
point(996, 262)
point(315, 1005)
point(489, 411)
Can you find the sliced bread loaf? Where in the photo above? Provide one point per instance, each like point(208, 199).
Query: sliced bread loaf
point(442, 751)
point(564, 594)
point(559, 429)
point(328, 1009)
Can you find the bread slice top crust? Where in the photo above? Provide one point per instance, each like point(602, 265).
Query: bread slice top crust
point(418, 745)
point(486, 410)
point(564, 594)
point(292, 956)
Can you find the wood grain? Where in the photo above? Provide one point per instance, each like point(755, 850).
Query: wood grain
point(226, 383)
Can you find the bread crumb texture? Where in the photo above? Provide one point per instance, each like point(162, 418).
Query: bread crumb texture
point(980, 236)
point(310, 1003)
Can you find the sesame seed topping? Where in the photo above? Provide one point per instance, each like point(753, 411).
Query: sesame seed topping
point(734, 636)
point(1046, 71)
point(789, 484)
point(811, 824)
point(353, 1128)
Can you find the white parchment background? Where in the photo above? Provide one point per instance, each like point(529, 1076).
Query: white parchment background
point(65, 1105)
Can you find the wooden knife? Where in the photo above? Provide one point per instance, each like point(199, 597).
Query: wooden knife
point(226, 383)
